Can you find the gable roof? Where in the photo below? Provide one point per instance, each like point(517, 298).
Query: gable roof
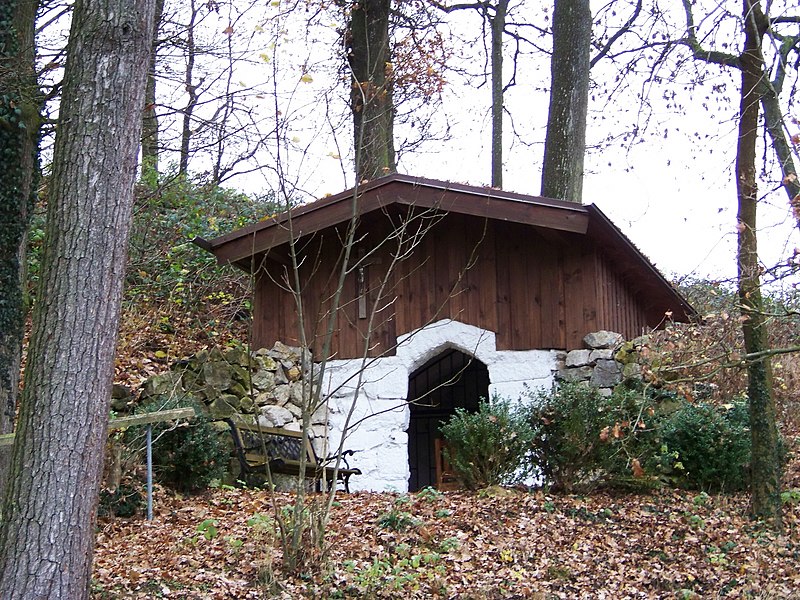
point(239, 246)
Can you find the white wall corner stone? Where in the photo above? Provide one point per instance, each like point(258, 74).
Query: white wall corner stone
point(380, 439)
point(421, 345)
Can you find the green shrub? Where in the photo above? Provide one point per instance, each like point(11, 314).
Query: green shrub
point(584, 439)
point(712, 444)
point(638, 438)
point(187, 458)
point(491, 446)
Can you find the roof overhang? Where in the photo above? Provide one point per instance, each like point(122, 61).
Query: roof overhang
point(401, 190)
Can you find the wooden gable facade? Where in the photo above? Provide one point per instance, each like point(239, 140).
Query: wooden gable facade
point(539, 273)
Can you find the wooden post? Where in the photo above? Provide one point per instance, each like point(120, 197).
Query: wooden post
point(7, 439)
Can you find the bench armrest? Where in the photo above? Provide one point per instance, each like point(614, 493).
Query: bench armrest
point(332, 458)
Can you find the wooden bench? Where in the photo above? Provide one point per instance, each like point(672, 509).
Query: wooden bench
point(280, 450)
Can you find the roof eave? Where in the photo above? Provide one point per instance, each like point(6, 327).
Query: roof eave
point(599, 220)
point(394, 189)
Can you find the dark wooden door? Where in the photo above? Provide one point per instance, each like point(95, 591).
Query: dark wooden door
point(448, 381)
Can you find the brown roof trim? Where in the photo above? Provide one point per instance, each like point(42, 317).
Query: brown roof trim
point(648, 278)
point(397, 189)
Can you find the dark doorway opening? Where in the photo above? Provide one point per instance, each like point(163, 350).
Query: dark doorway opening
point(448, 381)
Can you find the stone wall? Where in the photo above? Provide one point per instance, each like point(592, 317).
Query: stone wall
point(606, 361)
point(265, 386)
point(373, 409)
point(367, 399)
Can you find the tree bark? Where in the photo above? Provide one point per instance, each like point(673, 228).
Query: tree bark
point(773, 120)
point(565, 142)
point(765, 463)
point(150, 118)
point(20, 105)
point(191, 90)
point(47, 532)
point(498, 25)
point(371, 93)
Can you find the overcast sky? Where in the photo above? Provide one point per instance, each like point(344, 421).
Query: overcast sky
point(670, 189)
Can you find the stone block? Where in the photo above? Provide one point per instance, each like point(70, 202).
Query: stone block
point(319, 416)
point(604, 354)
point(297, 393)
point(607, 373)
point(603, 339)
point(281, 395)
point(237, 389)
point(280, 375)
point(223, 407)
point(293, 373)
point(217, 374)
point(277, 416)
point(281, 351)
point(197, 361)
point(235, 356)
point(577, 358)
point(318, 431)
point(264, 362)
point(247, 405)
point(296, 411)
point(240, 374)
point(165, 383)
point(265, 398)
point(515, 390)
point(511, 365)
point(575, 374)
point(263, 380)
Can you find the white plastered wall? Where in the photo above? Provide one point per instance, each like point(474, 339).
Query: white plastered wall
point(373, 394)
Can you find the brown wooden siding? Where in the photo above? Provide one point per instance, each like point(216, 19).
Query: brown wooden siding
point(619, 308)
point(533, 291)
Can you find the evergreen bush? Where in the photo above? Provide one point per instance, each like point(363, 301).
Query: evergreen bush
point(490, 446)
point(584, 439)
point(638, 438)
point(712, 444)
point(187, 458)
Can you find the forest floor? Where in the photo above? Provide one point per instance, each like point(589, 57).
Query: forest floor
point(492, 544)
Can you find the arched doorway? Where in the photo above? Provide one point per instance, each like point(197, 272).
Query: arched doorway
point(450, 380)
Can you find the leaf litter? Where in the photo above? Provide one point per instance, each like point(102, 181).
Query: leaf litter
point(516, 544)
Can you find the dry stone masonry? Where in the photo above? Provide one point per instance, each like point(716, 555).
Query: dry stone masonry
point(367, 403)
point(607, 361)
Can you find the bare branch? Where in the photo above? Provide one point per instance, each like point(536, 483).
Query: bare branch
point(618, 34)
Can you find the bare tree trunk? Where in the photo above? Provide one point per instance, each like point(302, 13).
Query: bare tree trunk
point(191, 89)
point(150, 119)
point(19, 139)
point(371, 93)
point(47, 531)
point(498, 24)
point(765, 464)
point(565, 143)
point(773, 119)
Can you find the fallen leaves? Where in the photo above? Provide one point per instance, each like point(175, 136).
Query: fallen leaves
point(464, 546)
